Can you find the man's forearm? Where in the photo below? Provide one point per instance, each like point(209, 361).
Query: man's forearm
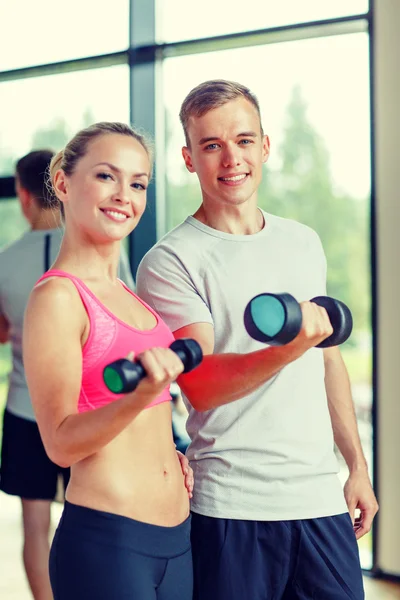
point(341, 408)
point(223, 378)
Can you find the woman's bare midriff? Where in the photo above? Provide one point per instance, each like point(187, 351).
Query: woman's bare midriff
point(138, 475)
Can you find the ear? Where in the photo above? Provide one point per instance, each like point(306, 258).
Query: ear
point(265, 149)
point(60, 185)
point(187, 157)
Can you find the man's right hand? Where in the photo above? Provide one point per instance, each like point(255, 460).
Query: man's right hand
point(315, 328)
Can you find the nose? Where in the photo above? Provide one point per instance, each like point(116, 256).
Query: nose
point(230, 156)
point(122, 193)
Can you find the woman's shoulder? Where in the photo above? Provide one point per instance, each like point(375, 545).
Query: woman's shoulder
point(55, 293)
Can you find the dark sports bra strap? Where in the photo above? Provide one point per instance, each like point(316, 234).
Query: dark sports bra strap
point(47, 244)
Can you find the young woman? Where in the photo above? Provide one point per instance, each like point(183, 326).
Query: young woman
point(125, 529)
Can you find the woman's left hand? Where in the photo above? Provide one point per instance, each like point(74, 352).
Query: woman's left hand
point(187, 473)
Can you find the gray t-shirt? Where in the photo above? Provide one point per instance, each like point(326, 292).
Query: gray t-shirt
point(21, 265)
point(269, 455)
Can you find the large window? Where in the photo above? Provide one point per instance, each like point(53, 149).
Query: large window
point(180, 20)
point(48, 31)
point(47, 111)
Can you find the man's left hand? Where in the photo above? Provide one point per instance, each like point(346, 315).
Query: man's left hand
point(359, 494)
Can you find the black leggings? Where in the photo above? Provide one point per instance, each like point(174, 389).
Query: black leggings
point(97, 555)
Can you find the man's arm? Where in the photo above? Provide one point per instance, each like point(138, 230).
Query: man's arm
point(358, 490)
point(4, 330)
point(223, 378)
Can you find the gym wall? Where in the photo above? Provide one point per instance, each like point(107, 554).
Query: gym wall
point(387, 168)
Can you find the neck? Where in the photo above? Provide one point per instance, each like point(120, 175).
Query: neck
point(46, 219)
point(88, 260)
point(236, 220)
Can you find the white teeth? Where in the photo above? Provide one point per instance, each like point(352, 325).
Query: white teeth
point(116, 215)
point(236, 178)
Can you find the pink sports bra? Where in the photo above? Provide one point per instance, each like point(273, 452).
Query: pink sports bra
point(110, 339)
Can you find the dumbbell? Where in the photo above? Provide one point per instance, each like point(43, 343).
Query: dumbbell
point(276, 319)
point(123, 375)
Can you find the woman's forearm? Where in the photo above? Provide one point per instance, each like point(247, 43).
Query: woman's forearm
point(81, 435)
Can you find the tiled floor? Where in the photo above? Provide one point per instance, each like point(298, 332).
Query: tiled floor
point(13, 585)
point(381, 590)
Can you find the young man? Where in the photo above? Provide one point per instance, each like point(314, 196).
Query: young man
point(270, 519)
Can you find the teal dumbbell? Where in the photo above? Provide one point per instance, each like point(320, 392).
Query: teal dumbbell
point(276, 319)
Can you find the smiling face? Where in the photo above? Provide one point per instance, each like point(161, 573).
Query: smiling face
point(227, 151)
point(105, 196)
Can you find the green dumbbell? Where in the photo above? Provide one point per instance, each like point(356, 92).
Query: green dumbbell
point(123, 375)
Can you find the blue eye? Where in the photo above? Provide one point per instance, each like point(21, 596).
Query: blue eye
point(138, 186)
point(245, 142)
point(211, 147)
point(104, 176)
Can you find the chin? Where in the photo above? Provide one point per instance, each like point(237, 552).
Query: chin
point(239, 200)
point(109, 237)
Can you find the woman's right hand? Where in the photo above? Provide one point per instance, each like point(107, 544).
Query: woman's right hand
point(162, 367)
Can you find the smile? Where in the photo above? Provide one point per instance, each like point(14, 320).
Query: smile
point(114, 215)
point(234, 180)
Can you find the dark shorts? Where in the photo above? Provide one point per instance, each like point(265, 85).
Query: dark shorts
point(102, 556)
point(312, 559)
point(26, 470)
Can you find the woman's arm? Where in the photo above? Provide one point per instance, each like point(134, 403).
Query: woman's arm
point(55, 323)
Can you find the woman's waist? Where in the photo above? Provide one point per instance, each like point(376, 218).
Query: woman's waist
point(162, 505)
point(145, 486)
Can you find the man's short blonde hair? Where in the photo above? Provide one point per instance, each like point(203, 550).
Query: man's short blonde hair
point(213, 94)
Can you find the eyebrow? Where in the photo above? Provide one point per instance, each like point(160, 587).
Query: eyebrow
point(117, 170)
point(205, 140)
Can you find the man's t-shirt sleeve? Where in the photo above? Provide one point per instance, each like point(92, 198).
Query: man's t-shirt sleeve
point(166, 285)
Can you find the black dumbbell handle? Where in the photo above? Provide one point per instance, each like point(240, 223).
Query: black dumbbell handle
point(123, 375)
